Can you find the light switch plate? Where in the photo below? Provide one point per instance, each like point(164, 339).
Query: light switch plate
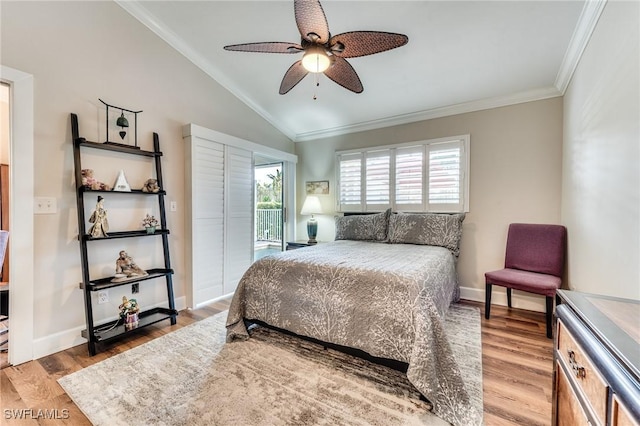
point(46, 205)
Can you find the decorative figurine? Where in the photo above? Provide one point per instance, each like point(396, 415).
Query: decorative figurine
point(121, 184)
point(151, 185)
point(88, 181)
point(100, 225)
point(127, 269)
point(129, 312)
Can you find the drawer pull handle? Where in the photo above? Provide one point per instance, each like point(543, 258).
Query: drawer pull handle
point(578, 370)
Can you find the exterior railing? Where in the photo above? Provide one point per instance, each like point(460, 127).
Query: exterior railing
point(269, 225)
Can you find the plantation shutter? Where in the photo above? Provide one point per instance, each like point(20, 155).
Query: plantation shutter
point(350, 182)
point(377, 182)
point(445, 177)
point(421, 176)
point(205, 263)
point(409, 173)
point(239, 187)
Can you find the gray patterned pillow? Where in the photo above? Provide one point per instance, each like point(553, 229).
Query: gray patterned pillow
point(444, 230)
point(370, 227)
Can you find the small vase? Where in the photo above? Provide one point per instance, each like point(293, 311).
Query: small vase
point(151, 229)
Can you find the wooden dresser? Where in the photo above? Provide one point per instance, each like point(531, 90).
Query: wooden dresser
point(596, 360)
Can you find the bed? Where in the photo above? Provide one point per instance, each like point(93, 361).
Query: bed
point(383, 287)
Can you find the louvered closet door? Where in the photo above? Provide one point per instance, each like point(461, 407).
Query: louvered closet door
point(219, 212)
point(207, 224)
point(238, 216)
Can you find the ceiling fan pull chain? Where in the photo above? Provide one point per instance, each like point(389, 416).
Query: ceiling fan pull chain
point(317, 77)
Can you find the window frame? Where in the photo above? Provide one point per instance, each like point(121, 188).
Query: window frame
point(423, 146)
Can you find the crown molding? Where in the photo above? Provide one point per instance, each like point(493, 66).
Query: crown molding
point(479, 105)
point(138, 11)
point(581, 35)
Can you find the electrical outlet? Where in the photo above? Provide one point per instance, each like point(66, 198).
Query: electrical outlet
point(103, 297)
point(174, 206)
point(135, 288)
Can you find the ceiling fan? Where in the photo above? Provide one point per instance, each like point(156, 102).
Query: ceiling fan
point(324, 53)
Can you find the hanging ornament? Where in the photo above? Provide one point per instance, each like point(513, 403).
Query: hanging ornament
point(122, 122)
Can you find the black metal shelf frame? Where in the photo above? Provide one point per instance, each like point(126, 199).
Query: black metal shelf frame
point(118, 148)
point(125, 234)
point(105, 283)
point(107, 330)
point(110, 330)
point(132, 192)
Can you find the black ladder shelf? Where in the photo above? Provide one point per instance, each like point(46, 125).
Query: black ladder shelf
point(113, 329)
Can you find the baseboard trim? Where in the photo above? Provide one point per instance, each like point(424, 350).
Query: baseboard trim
point(69, 338)
point(519, 299)
point(215, 299)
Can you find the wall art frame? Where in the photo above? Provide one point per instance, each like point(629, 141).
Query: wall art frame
point(317, 187)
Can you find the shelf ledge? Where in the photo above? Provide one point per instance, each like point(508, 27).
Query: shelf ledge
point(110, 330)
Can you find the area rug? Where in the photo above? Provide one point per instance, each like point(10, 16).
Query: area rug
point(191, 377)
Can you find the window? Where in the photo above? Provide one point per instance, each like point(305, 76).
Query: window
point(419, 176)
point(377, 178)
point(351, 178)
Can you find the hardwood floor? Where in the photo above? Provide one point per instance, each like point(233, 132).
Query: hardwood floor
point(516, 361)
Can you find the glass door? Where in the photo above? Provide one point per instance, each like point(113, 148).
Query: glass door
point(269, 208)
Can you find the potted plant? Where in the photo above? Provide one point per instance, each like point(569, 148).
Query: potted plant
point(150, 223)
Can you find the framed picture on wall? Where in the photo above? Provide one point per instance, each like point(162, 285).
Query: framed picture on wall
point(317, 187)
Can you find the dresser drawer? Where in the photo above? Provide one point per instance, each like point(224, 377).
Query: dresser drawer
point(569, 411)
point(620, 415)
point(583, 373)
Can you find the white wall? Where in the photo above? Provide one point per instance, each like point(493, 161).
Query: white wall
point(79, 52)
point(601, 181)
point(516, 158)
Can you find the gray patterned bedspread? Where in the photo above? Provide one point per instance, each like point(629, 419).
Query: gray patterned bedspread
point(388, 300)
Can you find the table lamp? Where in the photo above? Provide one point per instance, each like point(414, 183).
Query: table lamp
point(311, 206)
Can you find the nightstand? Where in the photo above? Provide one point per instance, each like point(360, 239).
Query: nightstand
point(292, 245)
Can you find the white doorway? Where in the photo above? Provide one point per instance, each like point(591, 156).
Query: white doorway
point(269, 207)
point(21, 242)
point(5, 132)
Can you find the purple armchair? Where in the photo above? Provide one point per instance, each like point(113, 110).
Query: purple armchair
point(534, 262)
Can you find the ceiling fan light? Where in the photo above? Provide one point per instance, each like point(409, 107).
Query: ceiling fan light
point(315, 60)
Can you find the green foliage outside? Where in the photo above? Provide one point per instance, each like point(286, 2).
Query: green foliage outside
point(269, 197)
point(269, 194)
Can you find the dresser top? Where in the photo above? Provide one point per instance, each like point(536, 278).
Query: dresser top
point(615, 321)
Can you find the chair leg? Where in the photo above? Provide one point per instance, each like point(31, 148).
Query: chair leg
point(487, 301)
point(549, 315)
point(508, 296)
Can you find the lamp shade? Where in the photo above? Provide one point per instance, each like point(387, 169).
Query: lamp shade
point(311, 206)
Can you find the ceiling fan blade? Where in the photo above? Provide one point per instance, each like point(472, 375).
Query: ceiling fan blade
point(266, 47)
point(361, 43)
point(311, 20)
point(343, 73)
point(293, 76)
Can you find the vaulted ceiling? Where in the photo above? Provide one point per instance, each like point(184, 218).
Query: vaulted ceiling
point(461, 56)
